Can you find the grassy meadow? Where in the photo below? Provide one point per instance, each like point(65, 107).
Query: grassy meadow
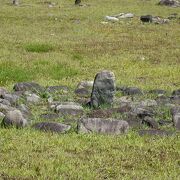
point(66, 44)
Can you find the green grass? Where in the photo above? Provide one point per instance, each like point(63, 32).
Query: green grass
point(38, 48)
point(67, 44)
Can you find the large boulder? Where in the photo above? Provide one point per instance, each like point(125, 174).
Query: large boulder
point(103, 89)
point(14, 118)
point(28, 86)
point(52, 127)
point(103, 126)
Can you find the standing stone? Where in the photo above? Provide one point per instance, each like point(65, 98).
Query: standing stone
point(102, 126)
point(103, 89)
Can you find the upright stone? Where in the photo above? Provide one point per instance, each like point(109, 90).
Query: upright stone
point(103, 89)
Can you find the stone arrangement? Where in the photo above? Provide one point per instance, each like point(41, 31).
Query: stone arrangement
point(95, 108)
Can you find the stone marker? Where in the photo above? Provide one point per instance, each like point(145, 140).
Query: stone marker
point(52, 127)
point(103, 89)
point(14, 118)
point(102, 126)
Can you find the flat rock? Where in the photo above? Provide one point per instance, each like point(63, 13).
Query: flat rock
point(103, 91)
point(172, 3)
point(69, 109)
point(52, 127)
point(102, 126)
point(3, 91)
point(28, 86)
point(153, 132)
point(33, 98)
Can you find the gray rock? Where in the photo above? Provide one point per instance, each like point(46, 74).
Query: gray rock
point(4, 101)
point(150, 122)
point(176, 121)
point(157, 91)
point(158, 20)
point(132, 91)
point(5, 108)
point(56, 89)
point(1, 115)
point(124, 15)
point(164, 123)
point(154, 132)
point(148, 103)
point(12, 98)
point(103, 89)
point(84, 89)
point(33, 99)
point(133, 120)
point(175, 99)
point(143, 112)
point(16, 2)
point(104, 126)
point(111, 18)
point(162, 99)
point(49, 116)
point(68, 108)
point(172, 3)
point(77, 2)
point(52, 127)
point(24, 110)
point(3, 91)
point(28, 86)
point(14, 118)
point(175, 110)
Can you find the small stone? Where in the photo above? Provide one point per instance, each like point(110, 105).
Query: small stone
point(12, 98)
point(148, 103)
point(111, 18)
point(14, 118)
point(84, 89)
point(172, 3)
point(52, 127)
point(57, 89)
point(102, 126)
point(132, 91)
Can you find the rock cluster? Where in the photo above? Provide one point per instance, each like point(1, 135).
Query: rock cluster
point(96, 109)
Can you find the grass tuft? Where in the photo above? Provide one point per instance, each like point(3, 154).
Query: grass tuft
point(38, 47)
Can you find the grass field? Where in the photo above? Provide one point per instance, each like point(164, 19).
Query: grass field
point(66, 44)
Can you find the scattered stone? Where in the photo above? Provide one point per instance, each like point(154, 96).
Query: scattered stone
point(162, 99)
point(28, 86)
point(143, 112)
point(146, 18)
point(158, 91)
point(133, 120)
point(3, 91)
point(1, 115)
point(16, 2)
point(104, 126)
point(56, 89)
point(176, 121)
point(5, 101)
point(176, 92)
point(175, 99)
point(150, 122)
point(148, 103)
point(111, 18)
point(33, 99)
point(131, 91)
point(175, 110)
point(124, 15)
point(5, 108)
point(68, 108)
point(12, 98)
point(84, 89)
point(164, 122)
point(172, 3)
point(108, 113)
point(49, 116)
point(24, 110)
point(52, 127)
point(173, 16)
point(77, 2)
point(158, 20)
point(14, 118)
point(153, 132)
point(103, 89)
